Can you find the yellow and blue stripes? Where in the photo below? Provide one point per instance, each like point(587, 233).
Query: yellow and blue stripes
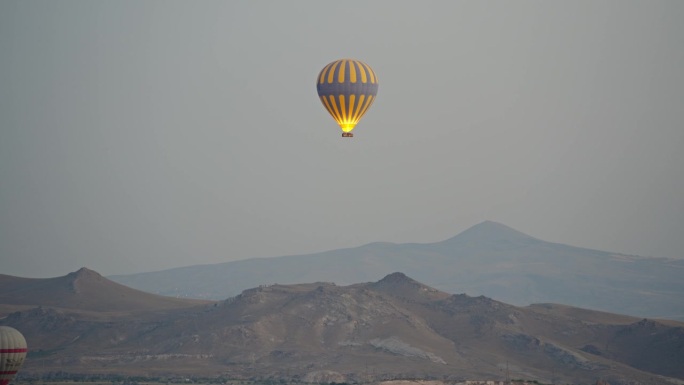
point(347, 88)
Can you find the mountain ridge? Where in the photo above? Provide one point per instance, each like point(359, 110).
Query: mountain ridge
point(490, 231)
point(84, 289)
point(397, 325)
point(488, 259)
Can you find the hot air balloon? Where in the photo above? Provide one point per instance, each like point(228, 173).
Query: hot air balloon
point(12, 353)
point(347, 88)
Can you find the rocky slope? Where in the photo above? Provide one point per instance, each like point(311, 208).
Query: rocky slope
point(392, 328)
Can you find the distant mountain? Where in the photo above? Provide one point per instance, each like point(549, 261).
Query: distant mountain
point(394, 328)
point(488, 259)
point(83, 290)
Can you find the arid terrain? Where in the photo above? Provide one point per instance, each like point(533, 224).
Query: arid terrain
point(321, 332)
point(489, 259)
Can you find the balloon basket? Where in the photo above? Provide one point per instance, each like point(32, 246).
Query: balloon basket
point(347, 135)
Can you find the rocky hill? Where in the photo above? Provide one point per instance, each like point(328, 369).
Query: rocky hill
point(83, 290)
point(488, 259)
point(393, 328)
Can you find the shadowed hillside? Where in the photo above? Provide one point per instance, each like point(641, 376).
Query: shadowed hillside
point(83, 290)
point(392, 328)
point(488, 259)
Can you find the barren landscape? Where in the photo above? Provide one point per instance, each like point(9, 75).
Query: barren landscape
point(320, 332)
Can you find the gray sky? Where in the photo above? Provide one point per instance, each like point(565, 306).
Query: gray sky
point(144, 135)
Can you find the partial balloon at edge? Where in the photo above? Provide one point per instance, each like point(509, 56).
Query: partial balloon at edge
point(12, 353)
point(347, 88)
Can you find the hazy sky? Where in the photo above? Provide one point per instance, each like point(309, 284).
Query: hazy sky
point(144, 135)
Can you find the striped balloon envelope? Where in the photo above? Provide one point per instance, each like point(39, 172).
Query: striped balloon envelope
point(347, 88)
point(12, 353)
